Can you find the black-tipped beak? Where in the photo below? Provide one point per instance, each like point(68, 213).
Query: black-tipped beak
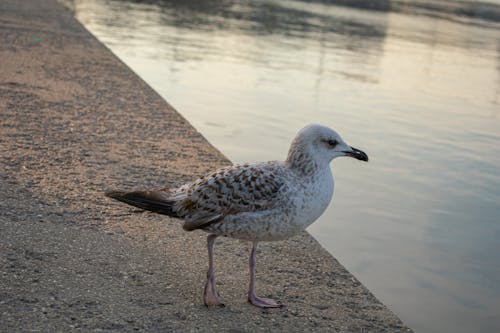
point(357, 154)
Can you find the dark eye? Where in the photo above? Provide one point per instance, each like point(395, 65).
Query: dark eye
point(332, 143)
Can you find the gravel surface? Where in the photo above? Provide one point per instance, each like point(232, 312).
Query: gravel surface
point(74, 122)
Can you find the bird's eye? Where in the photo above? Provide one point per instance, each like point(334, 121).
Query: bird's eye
point(332, 143)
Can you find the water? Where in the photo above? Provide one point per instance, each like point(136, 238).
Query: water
point(414, 84)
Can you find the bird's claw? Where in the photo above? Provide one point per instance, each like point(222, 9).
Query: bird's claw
point(262, 302)
point(211, 296)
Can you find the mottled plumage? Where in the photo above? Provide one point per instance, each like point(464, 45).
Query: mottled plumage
point(227, 192)
point(257, 202)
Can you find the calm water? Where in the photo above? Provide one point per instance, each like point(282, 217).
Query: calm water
point(417, 88)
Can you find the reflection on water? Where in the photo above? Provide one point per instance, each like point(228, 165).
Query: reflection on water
point(419, 224)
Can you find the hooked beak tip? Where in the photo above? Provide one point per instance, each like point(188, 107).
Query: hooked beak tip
point(357, 154)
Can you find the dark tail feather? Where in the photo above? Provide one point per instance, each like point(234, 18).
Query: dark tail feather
point(153, 201)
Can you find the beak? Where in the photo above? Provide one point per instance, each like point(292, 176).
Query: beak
point(357, 154)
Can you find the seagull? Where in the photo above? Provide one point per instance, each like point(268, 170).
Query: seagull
point(267, 201)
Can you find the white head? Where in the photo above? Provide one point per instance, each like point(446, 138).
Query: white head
point(320, 144)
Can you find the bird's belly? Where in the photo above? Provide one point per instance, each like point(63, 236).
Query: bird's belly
point(262, 226)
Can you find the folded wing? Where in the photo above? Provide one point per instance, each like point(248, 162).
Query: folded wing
point(232, 190)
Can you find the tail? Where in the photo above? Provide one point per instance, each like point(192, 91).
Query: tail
point(154, 201)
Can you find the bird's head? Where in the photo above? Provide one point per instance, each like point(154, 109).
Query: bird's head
point(320, 144)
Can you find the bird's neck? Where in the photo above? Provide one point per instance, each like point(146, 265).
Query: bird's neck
point(302, 160)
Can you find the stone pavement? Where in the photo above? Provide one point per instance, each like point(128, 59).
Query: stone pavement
point(74, 122)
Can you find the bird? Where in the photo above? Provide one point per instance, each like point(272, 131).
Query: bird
point(255, 202)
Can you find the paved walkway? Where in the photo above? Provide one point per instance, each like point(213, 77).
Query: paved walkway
point(75, 121)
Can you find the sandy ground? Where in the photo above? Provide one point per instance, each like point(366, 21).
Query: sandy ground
point(74, 122)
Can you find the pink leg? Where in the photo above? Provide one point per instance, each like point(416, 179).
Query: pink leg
point(210, 294)
point(252, 298)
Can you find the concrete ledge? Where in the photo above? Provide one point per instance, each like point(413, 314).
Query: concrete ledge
point(74, 121)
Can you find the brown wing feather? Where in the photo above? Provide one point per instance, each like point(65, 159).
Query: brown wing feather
point(232, 190)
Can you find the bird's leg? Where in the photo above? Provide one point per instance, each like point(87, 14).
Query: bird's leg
point(252, 298)
point(210, 294)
